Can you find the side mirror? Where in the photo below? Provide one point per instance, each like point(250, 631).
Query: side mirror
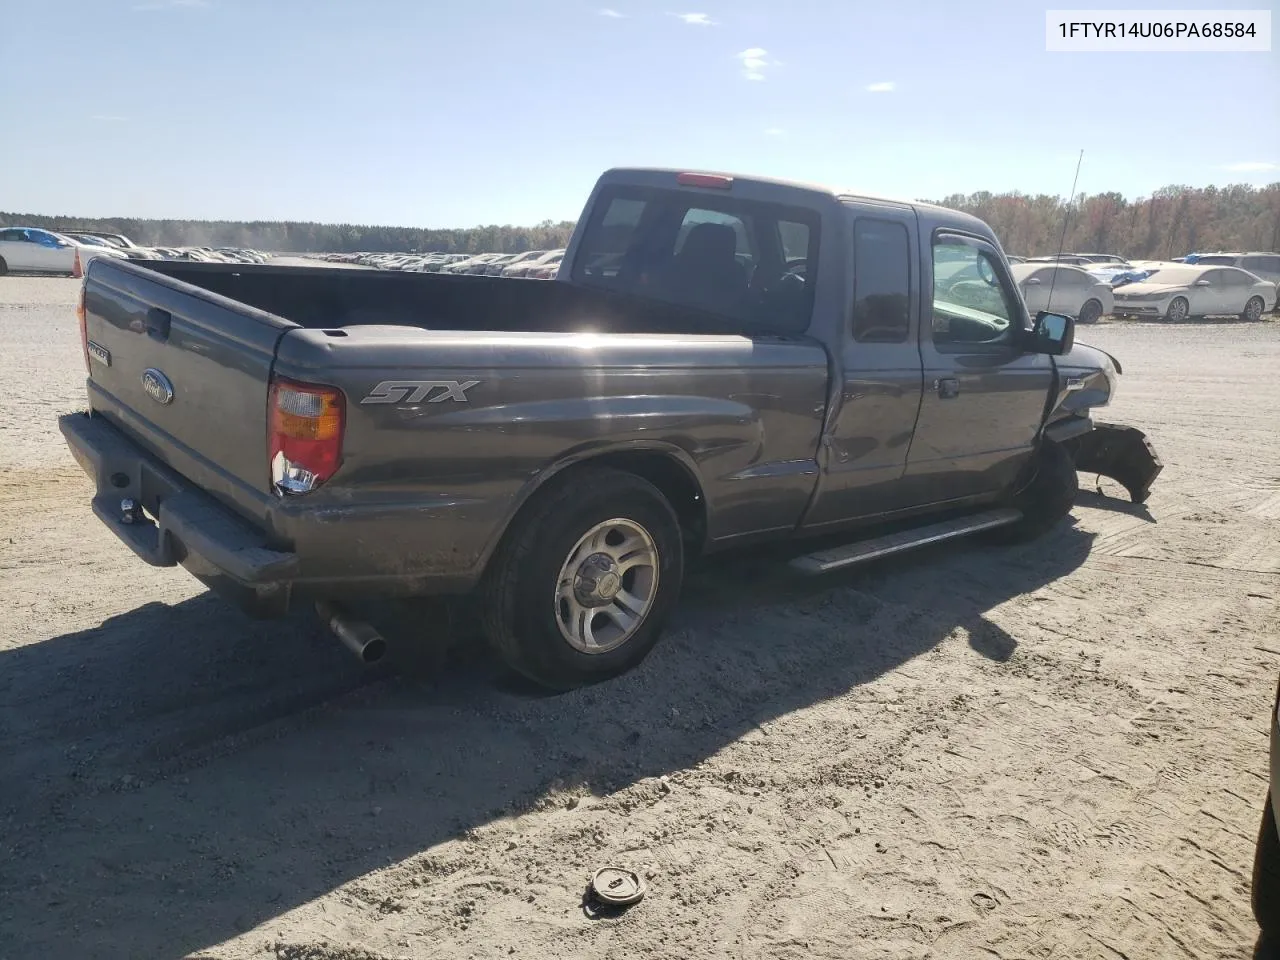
point(1052, 333)
point(1203, 283)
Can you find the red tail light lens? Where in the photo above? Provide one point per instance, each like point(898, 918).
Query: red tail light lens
point(82, 316)
point(305, 426)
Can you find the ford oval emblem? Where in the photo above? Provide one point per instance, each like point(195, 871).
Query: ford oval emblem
point(157, 385)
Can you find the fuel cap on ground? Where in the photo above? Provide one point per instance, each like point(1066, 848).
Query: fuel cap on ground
point(613, 888)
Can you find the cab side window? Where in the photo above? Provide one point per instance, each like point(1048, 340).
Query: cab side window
point(971, 302)
point(881, 281)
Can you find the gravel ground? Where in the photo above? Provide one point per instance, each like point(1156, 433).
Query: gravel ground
point(1055, 750)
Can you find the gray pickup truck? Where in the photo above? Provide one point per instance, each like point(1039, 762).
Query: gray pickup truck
point(722, 361)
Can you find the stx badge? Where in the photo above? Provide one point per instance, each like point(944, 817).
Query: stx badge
point(416, 391)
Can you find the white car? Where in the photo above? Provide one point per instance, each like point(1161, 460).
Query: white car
point(1264, 265)
point(1063, 288)
point(539, 259)
point(32, 250)
point(1180, 291)
point(473, 264)
point(548, 269)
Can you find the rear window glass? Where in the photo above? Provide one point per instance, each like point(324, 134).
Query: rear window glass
point(753, 263)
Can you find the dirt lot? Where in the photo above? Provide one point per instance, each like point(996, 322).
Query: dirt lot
point(1051, 751)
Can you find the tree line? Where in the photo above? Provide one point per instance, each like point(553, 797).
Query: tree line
point(1172, 221)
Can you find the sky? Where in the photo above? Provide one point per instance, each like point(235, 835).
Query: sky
point(436, 113)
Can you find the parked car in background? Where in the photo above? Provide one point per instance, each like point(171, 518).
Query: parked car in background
point(519, 268)
point(477, 264)
point(460, 265)
point(548, 269)
point(494, 267)
point(1100, 257)
point(1013, 259)
point(1180, 291)
point(1063, 288)
point(500, 268)
point(116, 241)
point(33, 250)
point(1264, 265)
point(1070, 258)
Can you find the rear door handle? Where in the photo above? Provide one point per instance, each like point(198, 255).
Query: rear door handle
point(947, 387)
point(158, 322)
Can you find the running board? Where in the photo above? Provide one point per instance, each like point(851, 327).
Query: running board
point(836, 558)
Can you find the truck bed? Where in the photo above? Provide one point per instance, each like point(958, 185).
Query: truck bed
point(336, 297)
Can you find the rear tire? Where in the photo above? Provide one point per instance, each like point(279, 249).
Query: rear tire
point(1047, 493)
point(1090, 312)
point(1179, 310)
point(1266, 877)
point(4, 267)
point(1252, 312)
point(585, 580)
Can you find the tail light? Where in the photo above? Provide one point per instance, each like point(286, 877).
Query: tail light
point(305, 426)
point(83, 317)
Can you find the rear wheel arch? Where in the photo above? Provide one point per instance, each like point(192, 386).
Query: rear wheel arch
point(668, 468)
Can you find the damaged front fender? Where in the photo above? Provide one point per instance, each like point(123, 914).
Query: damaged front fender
point(1120, 452)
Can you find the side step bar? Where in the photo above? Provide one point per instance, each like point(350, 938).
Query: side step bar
point(837, 558)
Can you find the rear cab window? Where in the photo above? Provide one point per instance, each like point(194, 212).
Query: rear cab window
point(881, 281)
point(751, 262)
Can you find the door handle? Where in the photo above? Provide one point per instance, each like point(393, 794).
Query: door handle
point(947, 387)
point(158, 322)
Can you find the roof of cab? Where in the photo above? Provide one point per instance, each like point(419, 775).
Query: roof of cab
point(937, 213)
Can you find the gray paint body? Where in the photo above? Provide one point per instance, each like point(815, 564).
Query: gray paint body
point(780, 436)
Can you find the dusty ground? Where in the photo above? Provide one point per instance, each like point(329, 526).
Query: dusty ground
point(1051, 751)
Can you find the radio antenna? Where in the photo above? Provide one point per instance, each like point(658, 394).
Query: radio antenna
point(1066, 219)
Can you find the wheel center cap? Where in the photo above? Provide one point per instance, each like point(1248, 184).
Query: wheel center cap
point(598, 581)
point(609, 585)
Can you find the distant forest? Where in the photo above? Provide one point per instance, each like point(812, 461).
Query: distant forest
point(1169, 223)
point(1172, 221)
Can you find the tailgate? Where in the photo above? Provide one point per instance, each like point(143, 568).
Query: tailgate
point(185, 373)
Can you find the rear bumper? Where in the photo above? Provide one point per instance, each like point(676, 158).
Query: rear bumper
point(182, 524)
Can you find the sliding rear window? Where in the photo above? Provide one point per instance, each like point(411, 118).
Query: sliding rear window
point(753, 263)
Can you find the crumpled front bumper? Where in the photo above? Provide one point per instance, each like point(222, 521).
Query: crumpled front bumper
point(1120, 452)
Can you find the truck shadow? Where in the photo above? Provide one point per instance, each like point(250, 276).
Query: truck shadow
point(179, 776)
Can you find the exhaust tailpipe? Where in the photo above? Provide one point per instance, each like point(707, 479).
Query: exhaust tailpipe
point(356, 635)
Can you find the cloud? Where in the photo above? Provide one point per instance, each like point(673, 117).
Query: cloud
point(611, 13)
point(695, 19)
point(108, 118)
point(884, 86)
point(171, 4)
point(754, 60)
point(1251, 166)
point(775, 132)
